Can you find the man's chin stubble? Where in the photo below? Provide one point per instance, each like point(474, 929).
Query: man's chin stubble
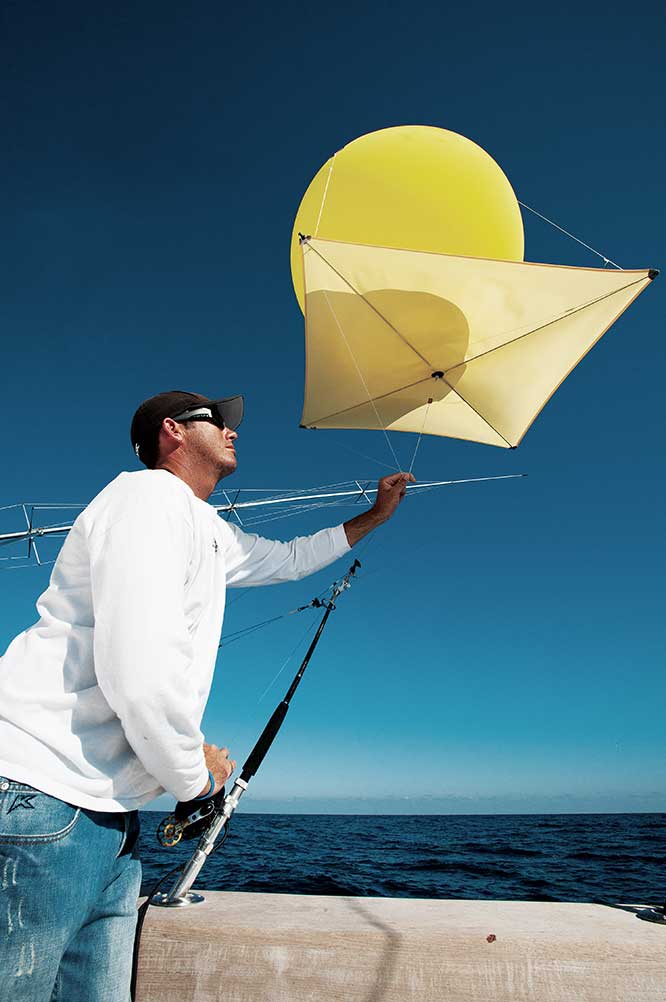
point(226, 468)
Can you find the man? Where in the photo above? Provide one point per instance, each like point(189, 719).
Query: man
point(101, 700)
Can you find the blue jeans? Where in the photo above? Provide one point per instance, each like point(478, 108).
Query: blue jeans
point(69, 883)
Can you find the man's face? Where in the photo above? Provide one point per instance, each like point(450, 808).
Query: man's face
point(212, 446)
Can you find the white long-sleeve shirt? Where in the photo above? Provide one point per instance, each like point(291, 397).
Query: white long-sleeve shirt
point(101, 700)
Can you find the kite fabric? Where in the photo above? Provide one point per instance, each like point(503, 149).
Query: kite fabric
point(465, 347)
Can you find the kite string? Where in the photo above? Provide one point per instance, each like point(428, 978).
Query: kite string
point(323, 200)
point(603, 257)
point(365, 385)
point(418, 440)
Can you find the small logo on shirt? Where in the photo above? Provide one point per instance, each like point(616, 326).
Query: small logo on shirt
point(23, 800)
point(215, 546)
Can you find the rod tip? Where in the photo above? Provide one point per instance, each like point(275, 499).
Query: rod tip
point(652, 273)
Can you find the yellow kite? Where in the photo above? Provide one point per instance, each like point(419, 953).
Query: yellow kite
point(407, 338)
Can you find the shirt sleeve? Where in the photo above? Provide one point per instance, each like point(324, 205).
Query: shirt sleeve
point(142, 647)
point(253, 560)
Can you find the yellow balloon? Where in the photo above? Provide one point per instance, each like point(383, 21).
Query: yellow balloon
point(414, 187)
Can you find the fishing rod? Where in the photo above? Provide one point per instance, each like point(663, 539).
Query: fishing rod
point(210, 818)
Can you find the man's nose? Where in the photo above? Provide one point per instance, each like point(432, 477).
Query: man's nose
point(231, 434)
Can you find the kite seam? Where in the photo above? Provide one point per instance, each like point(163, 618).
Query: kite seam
point(472, 407)
point(383, 396)
point(549, 323)
point(373, 308)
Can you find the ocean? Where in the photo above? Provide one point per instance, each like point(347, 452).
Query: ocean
point(618, 858)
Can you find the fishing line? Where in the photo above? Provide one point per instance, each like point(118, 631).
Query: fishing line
point(247, 630)
point(309, 629)
point(237, 598)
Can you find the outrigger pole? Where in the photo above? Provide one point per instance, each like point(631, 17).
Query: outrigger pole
point(33, 532)
point(181, 894)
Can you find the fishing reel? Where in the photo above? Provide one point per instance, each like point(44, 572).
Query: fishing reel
point(189, 820)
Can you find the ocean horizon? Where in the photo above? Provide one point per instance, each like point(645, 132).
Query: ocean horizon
point(611, 858)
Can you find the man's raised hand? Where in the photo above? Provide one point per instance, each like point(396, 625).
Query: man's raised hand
point(390, 492)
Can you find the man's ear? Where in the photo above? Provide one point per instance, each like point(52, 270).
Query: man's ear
point(170, 426)
point(170, 437)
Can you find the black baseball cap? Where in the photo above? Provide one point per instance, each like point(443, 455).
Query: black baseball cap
point(178, 404)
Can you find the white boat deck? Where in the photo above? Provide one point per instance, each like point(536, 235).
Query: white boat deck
point(241, 947)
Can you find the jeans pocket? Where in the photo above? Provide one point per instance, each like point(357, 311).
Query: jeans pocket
point(28, 815)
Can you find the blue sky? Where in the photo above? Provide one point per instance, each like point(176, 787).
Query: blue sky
point(503, 648)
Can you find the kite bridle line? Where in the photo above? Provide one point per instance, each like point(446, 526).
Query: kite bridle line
point(436, 375)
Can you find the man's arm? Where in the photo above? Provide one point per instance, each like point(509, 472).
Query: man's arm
point(253, 560)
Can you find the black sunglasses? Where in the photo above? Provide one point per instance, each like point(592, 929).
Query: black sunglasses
point(214, 414)
point(222, 413)
point(215, 419)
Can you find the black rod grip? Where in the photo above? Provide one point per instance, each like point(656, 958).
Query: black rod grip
point(256, 756)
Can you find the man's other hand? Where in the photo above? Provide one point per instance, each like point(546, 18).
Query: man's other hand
point(221, 766)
